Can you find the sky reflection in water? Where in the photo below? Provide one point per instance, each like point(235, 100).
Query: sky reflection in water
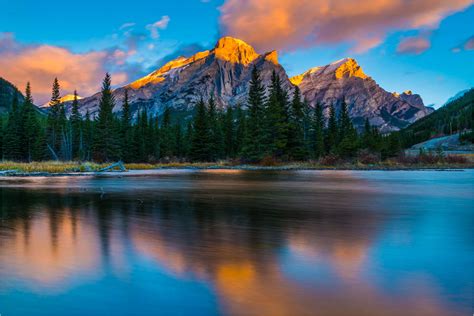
point(239, 243)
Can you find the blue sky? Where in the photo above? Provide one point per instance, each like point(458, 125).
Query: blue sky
point(430, 66)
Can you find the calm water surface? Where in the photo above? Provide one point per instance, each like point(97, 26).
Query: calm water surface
point(239, 243)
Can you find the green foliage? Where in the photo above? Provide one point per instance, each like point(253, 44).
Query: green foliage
point(201, 138)
point(456, 116)
point(106, 146)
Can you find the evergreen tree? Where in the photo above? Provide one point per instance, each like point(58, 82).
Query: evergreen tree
point(347, 136)
point(216, 140)
point(252, 148)
point(229, 131)
point(167, 143)
point(126, 129)
point(76, 128)
point(296, 128)
point(277, 119)
point(106, 145)
point(12, 149)
point(318, 130)
point(54, 121)
point(31, 134)
point(201, 135)
point(332, 131)
point(240, 130)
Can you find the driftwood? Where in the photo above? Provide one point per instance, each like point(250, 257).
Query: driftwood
point(53, 153)
point(113, 166)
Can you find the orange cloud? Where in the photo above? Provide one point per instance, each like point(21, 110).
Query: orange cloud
point(287, 25)
point(413, 45)
point(41, 64)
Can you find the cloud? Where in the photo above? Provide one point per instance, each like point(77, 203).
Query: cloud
point(466, 45)
point(127, 25)
point(183, 50)
point(364, 24)
point(40, 64)
point(413, 45)
point(158, 25)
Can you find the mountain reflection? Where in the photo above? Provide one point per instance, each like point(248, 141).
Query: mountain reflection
point(264, 244)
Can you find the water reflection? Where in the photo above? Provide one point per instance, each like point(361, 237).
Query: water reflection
point(239, 243)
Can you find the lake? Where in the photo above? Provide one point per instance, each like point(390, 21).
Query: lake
point(232, 242)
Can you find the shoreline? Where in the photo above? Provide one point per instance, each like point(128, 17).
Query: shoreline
point(157, 170)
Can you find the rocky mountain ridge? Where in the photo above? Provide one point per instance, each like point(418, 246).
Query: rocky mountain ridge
point(225, 70)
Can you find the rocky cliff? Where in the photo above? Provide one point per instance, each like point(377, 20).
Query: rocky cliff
point(225, 71)
point(344, 80)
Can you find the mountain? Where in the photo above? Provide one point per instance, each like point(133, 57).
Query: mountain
point(456, 96)
point(7, 92)
point(456, 116)
point(64, 99)
point(344, 80)
point(223, 72)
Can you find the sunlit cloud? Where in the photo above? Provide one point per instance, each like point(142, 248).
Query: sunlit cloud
point(40, 64)
point(158, 25)
point(363, 24)
point(413, 45)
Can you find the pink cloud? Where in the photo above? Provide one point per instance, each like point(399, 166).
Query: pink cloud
point(413, 45)
point(40, 64)
point(288, 25)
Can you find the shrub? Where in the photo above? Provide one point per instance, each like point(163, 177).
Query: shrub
point(367, 157)
point(329, 160)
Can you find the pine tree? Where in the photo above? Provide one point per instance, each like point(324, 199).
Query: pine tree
point(53, 129)
point(296, 128)
point(77, 130)
point(277, 119)
point(347, 136)
point(126, 129)
point(216, 140)
point(318, 130)
point(31, 136)
point(252, 148)
point(240, 130)
point(12, 139)
point(106, 145)
point(332, 131)
point(201, 135)
point(229, 133)
point(167, 141)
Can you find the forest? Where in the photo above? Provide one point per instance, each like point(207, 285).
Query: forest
point(274, 126)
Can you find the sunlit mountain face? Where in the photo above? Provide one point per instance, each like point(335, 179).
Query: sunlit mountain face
point(224, 73)
point(237, 243)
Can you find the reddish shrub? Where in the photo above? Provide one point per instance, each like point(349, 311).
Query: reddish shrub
point(329, 160)
point(456, 159)
point(366, 157)
point(269, 161)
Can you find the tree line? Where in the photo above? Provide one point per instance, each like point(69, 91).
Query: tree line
point(278, 125)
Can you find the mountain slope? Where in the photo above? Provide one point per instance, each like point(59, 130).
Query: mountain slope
point(451, 118)
point(63, 99)
point(223, 72)
point(7, 92)
point(344, 80)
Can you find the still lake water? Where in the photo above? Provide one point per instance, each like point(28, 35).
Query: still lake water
point(239, 243)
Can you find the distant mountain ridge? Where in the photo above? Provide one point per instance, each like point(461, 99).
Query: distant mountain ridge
point(7, 92)
point(224, 72)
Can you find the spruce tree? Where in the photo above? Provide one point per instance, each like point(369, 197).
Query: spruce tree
point(77, 130)
point(216, 140)
point(201, 135)
point(332, 131)
point(240, 130)
point(31, 136)
point(277, 119)
point(12, 139)
point(106, 145)
point(229, 133)
point(318, 130)
point(126, 129)
point(53, 129)
point(347, 136)
point(296, 128)
point(253, 145)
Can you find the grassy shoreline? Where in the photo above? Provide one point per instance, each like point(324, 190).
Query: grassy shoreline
point(9, 168)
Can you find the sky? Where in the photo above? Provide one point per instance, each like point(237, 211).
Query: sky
point(426, 46)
